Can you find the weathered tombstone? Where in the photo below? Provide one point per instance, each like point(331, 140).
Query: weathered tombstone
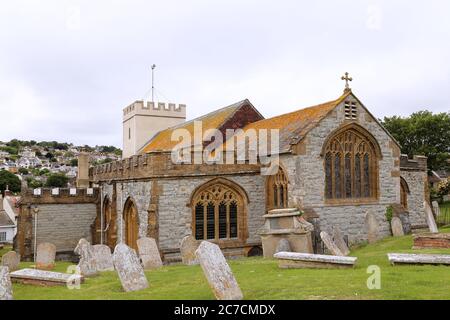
point(329, 243)
point(103, 258)
point(405, 258)
point(187, 249)
point(45, 278)
point(430, 218)
point(397, 227)
point(11, 260)
point(283, 246)
point(340, 242)
point(45, 256)
point(436, 208)
point(5, 284)
point(371, 225)
point(296, 260)
point(218, 272)
point(149, 253)
point(129, 269)
point(87, 264)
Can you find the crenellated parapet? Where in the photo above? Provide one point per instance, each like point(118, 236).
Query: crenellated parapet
point(418, 163)
point(150, 108)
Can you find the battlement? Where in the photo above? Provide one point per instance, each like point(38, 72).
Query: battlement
point(418, 163)
point(141, 107)
point(59, 195)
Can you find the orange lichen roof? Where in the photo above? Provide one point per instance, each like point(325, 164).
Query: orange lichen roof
point(162, 140)
point(295, 125)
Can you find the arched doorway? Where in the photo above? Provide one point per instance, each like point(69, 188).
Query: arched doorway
point(130, 216)
point(404, 191)
point(105, 222)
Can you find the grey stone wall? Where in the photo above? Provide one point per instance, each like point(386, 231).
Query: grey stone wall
point(307, 177)
point(64, 224)
point(175, 217)
point(416, 181)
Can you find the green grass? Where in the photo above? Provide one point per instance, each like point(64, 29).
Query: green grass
point(262, 279)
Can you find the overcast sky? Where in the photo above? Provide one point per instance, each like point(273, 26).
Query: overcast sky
point(68, 68)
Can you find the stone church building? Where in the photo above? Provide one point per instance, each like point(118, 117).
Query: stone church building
point(336, 163)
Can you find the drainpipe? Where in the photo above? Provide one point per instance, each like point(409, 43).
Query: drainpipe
point(101, 215)
point(35, 212)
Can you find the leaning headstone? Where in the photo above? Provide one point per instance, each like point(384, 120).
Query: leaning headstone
point(11, 260)
point(149, 253)
point(45, 256)
point(329, 243)
point(430, 218)
point(371, 225)
point(218, 272)
point(187, 249)
point(340, 242)
point(129, 268)
point(397, 227)
point(103, 258)
point(5, 284)
point(436, 208)
point(283, 246)
point(87, 264)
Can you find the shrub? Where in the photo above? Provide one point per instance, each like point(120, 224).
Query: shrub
point(389, 213)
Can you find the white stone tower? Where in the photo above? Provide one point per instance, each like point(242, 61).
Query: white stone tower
point(142, 120)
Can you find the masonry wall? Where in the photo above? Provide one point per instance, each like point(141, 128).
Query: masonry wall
point(417, 184)
point(65, 224)
point(307, 177)
point(174, 214)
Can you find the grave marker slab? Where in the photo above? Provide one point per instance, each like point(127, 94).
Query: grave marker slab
point(329, 243)
point(87, 262)
point(129, 268)
point(45, 256)
point(187, 249)
point(404, 258)
point(218, 272)
point(44, 278)
point(149, 253)
point(340, 242)
point(11, 260)
point(372, 227)
point(295, 260)
point(5, 284)
point(103, 257)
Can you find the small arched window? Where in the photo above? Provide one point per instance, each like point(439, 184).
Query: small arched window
point(404, 191)
point(351, 165)
point(277, 190)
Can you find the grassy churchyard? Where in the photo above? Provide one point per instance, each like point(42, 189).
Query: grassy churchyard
point(262, 279)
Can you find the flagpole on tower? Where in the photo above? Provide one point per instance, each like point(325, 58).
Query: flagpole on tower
point(153, 81)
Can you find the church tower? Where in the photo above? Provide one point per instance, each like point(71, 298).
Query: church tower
point(142, 120)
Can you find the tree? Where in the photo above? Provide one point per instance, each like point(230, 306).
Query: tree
point(9, 179)
point(23, 171)
point(33, 183)
point(74, 162)
point(57, 180)
point(423, 133)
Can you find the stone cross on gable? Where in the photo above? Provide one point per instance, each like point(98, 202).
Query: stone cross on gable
point(346, 78)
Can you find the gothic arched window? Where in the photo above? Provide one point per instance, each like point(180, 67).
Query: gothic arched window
point(277, 190)
point(218, 213)
point(351, 165)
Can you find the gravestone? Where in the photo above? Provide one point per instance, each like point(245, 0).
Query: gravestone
point(45, 278)
point(218, 272)
point(103, 258)
point(339, 241)
point(405, 258)
point(430, 218)
point(45, 256)
point(5, 284)
point(329, 243)
point(283, 246)
point(149, 253)
point(87, 263)
point(296, 260)
point(436, 208)
point(187, 249)
point(371, 225)
point(397, 227)
point(11, 260)
point(129, 268)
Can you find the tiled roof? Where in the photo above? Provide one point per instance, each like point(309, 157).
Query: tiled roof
point(5, 220)
point(162, 140)
point(295, 125)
